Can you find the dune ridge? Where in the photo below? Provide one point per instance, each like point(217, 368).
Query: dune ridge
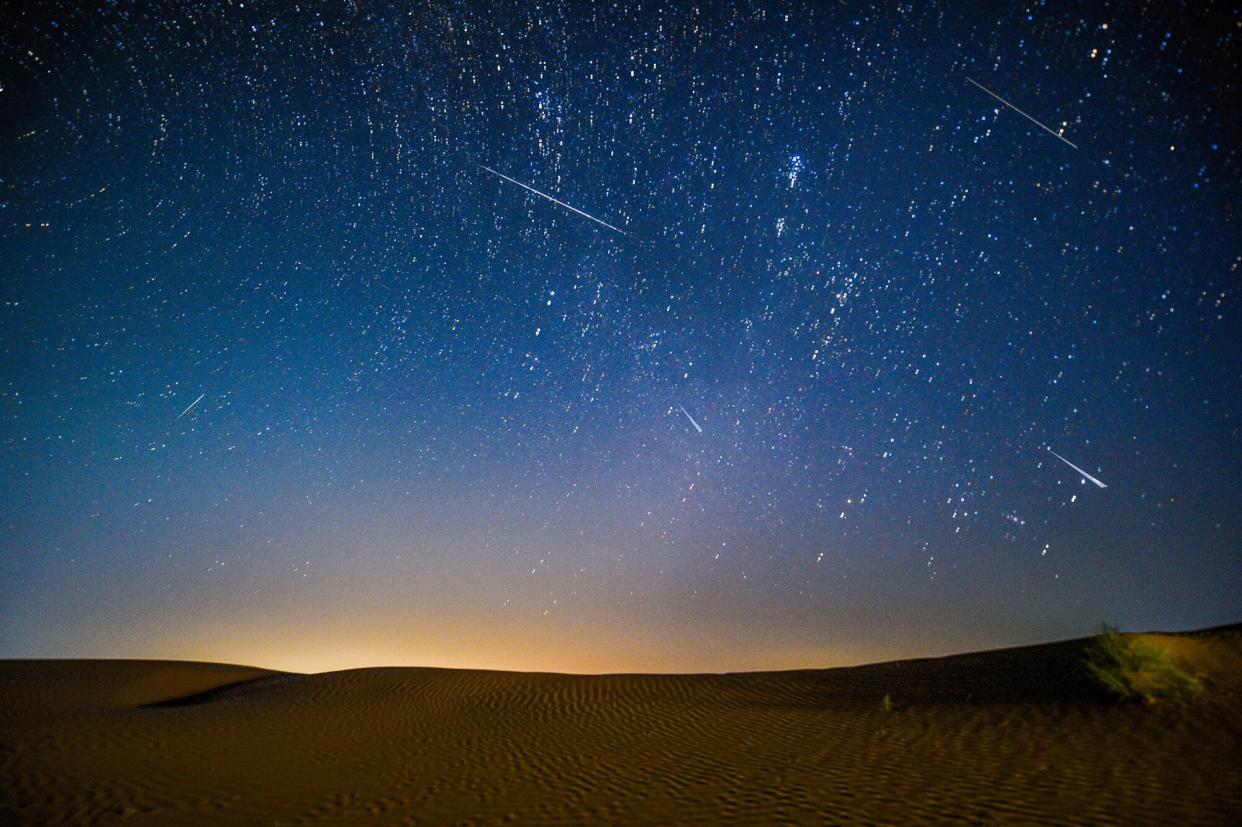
point(1007, 736)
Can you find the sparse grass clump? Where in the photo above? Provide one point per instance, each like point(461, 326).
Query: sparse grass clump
point(1134, 670)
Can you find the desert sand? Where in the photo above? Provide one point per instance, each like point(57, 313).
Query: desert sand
point(1008, 736)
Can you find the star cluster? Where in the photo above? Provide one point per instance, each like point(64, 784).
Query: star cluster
point(292, 376)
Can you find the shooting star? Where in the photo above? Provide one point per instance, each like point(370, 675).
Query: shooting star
point(1023, 114)
point(191, 405)
point(689, 417)
point(1076, 468)
point(555, 200)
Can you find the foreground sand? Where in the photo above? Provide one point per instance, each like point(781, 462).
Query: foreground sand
point(1011, 736)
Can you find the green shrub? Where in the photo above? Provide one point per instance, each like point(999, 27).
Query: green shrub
point(1134, 670)
point(886, 703)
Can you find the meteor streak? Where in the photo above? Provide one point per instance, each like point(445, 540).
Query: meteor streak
point(555, 200)
point(1023, 114)
point(1076, 468)
point(191, 405)
point(689, 417)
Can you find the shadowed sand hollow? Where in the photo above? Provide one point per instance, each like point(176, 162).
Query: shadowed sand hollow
point(1007, 736)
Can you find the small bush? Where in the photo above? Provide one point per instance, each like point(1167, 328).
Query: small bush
point(1136, 671)
point(886, 703)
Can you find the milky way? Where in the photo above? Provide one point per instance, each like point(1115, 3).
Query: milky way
point(291, 378)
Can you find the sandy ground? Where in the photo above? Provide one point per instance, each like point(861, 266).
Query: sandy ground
point(1010, 736)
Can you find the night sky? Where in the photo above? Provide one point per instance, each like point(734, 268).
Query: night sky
point(292, 377)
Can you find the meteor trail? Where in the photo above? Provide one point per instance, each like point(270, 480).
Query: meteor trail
point(1023, 114)
point(689, 417)
point(555, 200)
point(191, 405)
point(1076, 468)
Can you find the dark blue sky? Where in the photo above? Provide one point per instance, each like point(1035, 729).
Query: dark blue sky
point(441, 417)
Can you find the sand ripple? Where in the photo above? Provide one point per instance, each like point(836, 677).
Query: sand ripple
point(1014, 736)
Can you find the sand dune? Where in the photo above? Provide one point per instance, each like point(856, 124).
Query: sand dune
point(1009, 736)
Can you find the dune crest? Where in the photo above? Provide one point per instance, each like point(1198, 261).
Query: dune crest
point(1013, 735)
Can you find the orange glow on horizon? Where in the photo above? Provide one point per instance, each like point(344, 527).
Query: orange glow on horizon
point(513, 651)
